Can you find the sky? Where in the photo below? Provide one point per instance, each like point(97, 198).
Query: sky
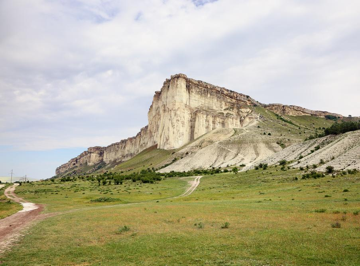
point(81, 73)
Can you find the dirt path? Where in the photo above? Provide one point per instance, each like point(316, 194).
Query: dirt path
point(12, 227)
point(193, 185)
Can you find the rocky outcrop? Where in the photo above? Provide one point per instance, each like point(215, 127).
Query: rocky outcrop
point(92, 156)
point(294, 110)
point(183, 110)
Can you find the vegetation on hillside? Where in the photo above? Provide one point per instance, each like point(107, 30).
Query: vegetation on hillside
point(337, 128)
point(259, 217)
point(340, 128)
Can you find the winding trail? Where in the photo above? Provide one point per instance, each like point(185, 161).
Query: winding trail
point(14, 226)
point(11, 227)
point(193, 185)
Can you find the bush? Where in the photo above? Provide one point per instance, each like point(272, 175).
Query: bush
point(104, 199)
point(339, 128)
point(336, 225)
point(235, 170)
point(320, 210)
point(225, 225)
point(313, 175)
point(199, 225)
point(283, 162)
point(123, 229)
point(352, 172)
point(329, 169)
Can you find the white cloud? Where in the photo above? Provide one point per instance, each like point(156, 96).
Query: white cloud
point(82, 73)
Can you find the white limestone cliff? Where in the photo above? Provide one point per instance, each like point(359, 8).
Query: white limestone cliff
point(182, 111)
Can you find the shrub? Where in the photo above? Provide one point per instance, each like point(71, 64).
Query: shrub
point(123, 229)
point(352, 172)
point(199, 225)
point(235, 170)
point(313, 174)
point(356, 212)
point(283, 162)
point(104, 199)
point(329, 169)
point(336, 225)
point(345, 190)
point(320, 210)
point(225, 225)
point(343, 127)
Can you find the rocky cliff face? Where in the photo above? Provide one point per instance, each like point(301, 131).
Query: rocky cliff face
point(185, 109)
point(294, 110)
point(182, 111)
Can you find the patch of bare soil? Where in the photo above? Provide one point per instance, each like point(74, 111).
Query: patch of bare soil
point(14, 226)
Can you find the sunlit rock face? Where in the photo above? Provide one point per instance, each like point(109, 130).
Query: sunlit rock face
point(185, 109)
point(182, 111)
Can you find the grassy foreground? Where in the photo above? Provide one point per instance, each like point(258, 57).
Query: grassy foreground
point(7, 207)
point(255, 218)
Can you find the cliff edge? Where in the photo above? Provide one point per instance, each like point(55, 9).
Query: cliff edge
point(183, 110)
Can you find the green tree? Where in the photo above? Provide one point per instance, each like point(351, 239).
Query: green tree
point(329, 169)
point(235, 170)
point(283, 162)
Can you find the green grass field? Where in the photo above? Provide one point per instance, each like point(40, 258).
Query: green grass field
point(255, 218)
point(7, 207)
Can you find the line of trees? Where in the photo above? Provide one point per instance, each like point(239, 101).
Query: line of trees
point(337, 128)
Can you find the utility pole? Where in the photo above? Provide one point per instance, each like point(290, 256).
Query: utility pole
point(11, 175)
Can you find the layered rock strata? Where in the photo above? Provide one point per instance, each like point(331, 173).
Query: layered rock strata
point(294, 110)
point(182, 111)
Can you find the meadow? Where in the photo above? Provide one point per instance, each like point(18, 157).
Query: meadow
point(259, 217)
point(7, 207)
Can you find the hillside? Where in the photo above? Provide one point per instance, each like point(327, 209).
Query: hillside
point(204, 126)
point(339, 151)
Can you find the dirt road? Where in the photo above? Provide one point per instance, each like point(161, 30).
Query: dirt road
point(12, 227)
point(193, 185)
